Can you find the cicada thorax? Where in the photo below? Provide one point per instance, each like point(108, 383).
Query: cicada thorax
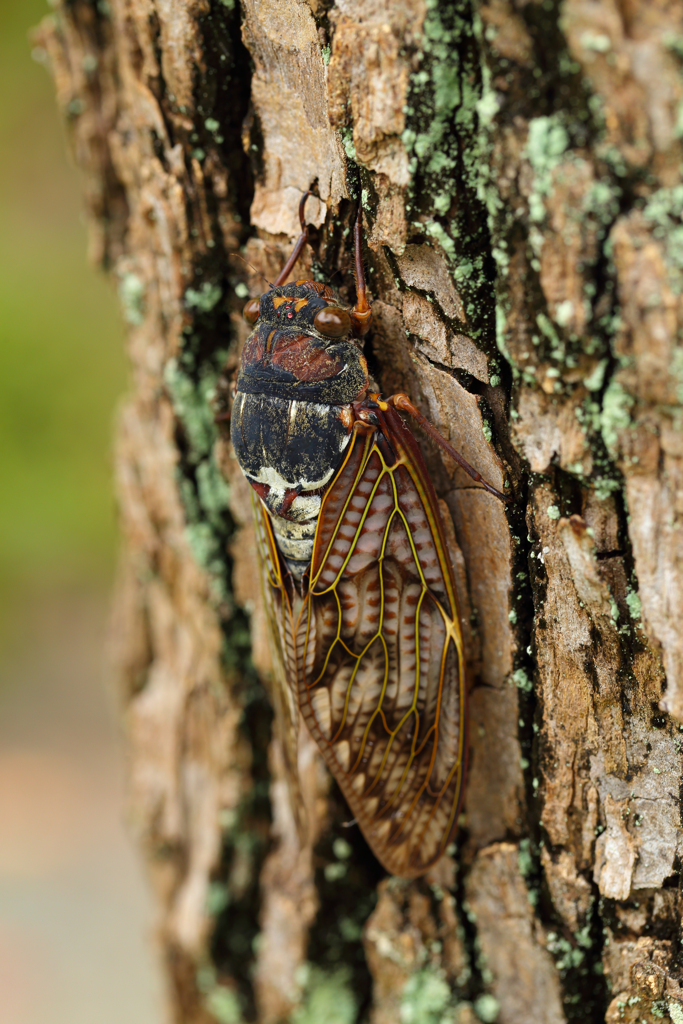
point(292, 417)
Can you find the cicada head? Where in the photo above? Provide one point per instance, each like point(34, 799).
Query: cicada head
point(309, 306)
point(305, 307)
point(302, 346)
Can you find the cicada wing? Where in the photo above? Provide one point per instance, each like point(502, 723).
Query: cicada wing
point(282, 687)
point(383, 690)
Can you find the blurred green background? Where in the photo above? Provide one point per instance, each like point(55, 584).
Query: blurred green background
point(74, 911)
point(61, 362)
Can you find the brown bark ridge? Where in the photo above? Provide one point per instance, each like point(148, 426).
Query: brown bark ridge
point(519, 168)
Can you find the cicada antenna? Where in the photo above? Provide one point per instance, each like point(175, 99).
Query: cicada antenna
point(361, 314)
point(257, 272)
point(300, 243)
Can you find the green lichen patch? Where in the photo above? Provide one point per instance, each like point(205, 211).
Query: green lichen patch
point(664, 211)
point(566, 954)
point(192, 397)
point(634, 604)
point(328, 996)
point(204, 298)
point(204, 492)
point(675, 1011)
point(436, 90)
point(217, 898)
point(348, 143)
point(487, 1008)
point(615, 415)
point(594, 380)
point(212, 490)
point(222, 1002)
point(445, 102)
point(677, 372)
point(132, 296)
point(601, 202)
point(547, 142)
point(427, 999)
point(522, 681)
point(525, 859)
point(602, 421)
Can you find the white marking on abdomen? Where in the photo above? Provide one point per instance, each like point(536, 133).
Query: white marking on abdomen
point(295, 541)
point(271, 477)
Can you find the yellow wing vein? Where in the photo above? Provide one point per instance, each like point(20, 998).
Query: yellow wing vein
point(377, 636)
point(337, 640)
point(364, 516)
point(416, 687)
point(342, 513)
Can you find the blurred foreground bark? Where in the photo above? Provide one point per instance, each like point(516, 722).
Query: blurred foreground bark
point(519, 167)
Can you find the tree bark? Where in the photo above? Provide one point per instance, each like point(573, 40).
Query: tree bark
point(519, 168)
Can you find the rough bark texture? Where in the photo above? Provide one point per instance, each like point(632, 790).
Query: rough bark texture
point(519, 167)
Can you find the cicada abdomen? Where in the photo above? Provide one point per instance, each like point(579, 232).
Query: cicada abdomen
point(357, 579)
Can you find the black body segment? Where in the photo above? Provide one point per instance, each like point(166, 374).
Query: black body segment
point(288, 446)
point(291, 418)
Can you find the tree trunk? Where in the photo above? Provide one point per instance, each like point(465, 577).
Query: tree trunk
point(519, 168)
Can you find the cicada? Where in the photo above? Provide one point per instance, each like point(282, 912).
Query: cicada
point(357, 579)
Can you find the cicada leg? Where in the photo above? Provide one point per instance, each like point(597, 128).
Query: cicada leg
point(403, 404)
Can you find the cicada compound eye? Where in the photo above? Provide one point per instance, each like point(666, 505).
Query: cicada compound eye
point(251, 311)
point(333, 322)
